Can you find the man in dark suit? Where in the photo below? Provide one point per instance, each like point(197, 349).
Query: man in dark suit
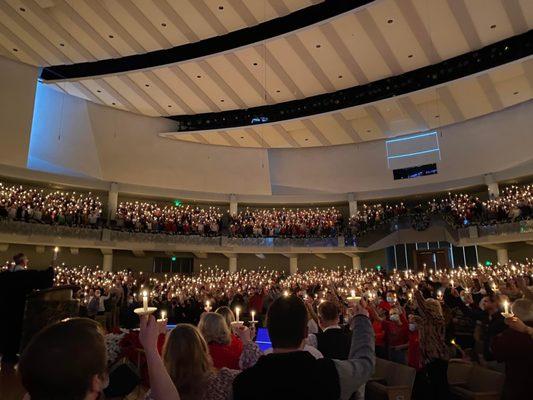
point(333, 341)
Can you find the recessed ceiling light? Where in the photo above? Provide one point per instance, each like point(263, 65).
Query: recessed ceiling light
point(163, 24)
point(255, 63)
point(242, 137)
point(318, 46)
point(99, 91)
point(15, 50)
point(492, 26)
point(340, 76)
point(169, 106)
point(22, 9)
point(222, 100)
point(220, 7)
point(410, 56)
point(515, 93)
point(111, 36)
point(198, 76)
point(437, 116)
point(306, 139)
point(114, 104)
point(390, 21)
point(147, 85)
point(369, 130)
point(278, 91)
point(62, 44)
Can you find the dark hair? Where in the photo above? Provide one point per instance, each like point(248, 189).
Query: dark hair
point(328, 311)
point(62, 359)
point(287, 322)
point(18, 258)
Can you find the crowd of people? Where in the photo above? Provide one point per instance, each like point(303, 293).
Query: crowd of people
point(286, 222)
point(171, 219)
point(18, 203)
point(421, 319)
point(78, 209)
point(515, 203)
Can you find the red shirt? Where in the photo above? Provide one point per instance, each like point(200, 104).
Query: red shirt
point(378, 332)
point(226, 355)
point(395, 334)
point(413, 351)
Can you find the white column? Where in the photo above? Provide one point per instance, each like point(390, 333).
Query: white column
point(107, 262)
point(352, 204)
point(232, 263)
point(112, 201)
point(233, 204)
point(356, 262)
point(503, 256)
point(293, 264)
point(494, 190)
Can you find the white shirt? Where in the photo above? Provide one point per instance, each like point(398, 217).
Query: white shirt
point(314, 352)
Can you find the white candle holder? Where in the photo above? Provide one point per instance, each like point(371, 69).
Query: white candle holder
point(145, 311)
point(507, 314)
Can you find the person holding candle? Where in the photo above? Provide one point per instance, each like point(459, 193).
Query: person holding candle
point(225, 352)
point(185, 371)
point(291, 373)
point(514, 347)
point(332, 341)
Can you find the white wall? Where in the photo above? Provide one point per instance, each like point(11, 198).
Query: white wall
point(17, 90)
point(483, 145)
point(78, 137)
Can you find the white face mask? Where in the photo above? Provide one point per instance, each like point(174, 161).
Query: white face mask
point(391, 300)
point(394, 317)
point(412, 327)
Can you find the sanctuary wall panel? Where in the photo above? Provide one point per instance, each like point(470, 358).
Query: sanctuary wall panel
point(17, 93)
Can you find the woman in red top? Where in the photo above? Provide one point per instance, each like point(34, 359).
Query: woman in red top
point(225, 349)
point(396, 329)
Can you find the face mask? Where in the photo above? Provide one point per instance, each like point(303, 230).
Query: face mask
point(391, 299)
point(412, 327)
point(483, 292)
point(394, 317)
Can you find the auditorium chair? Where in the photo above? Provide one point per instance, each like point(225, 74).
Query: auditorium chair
point(391, 381)
point(470, 381)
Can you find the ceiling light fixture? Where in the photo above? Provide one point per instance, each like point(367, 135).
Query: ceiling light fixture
point(22, 9)
point(114, 104)
point(340, 77)
point(390, 21)
point(492, 26)
point(255, 63)
point(147, 85)
point(515, 93)
point(318, 46)
point(410, 56)
point(198, 76)
point(111, 36)
point(99, 91)
point(62, 44)
point(163, 24)
point(15, 50)
point(220, 7)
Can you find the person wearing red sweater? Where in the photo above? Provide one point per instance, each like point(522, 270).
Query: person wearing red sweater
point(396, 328)
point(225, 349)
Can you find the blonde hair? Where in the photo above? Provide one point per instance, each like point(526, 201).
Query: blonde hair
point(227, 314)
point(214, 328)
point(434, 308)
point(187, 360)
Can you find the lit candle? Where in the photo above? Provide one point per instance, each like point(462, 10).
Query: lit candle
point(506, 307)
point(207, 306)
point(352, 292)
point(163, 314)
point(253, 316)
point(145, 301)
point(237, 312)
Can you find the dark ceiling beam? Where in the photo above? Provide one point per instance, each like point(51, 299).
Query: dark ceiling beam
point(299, 19)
